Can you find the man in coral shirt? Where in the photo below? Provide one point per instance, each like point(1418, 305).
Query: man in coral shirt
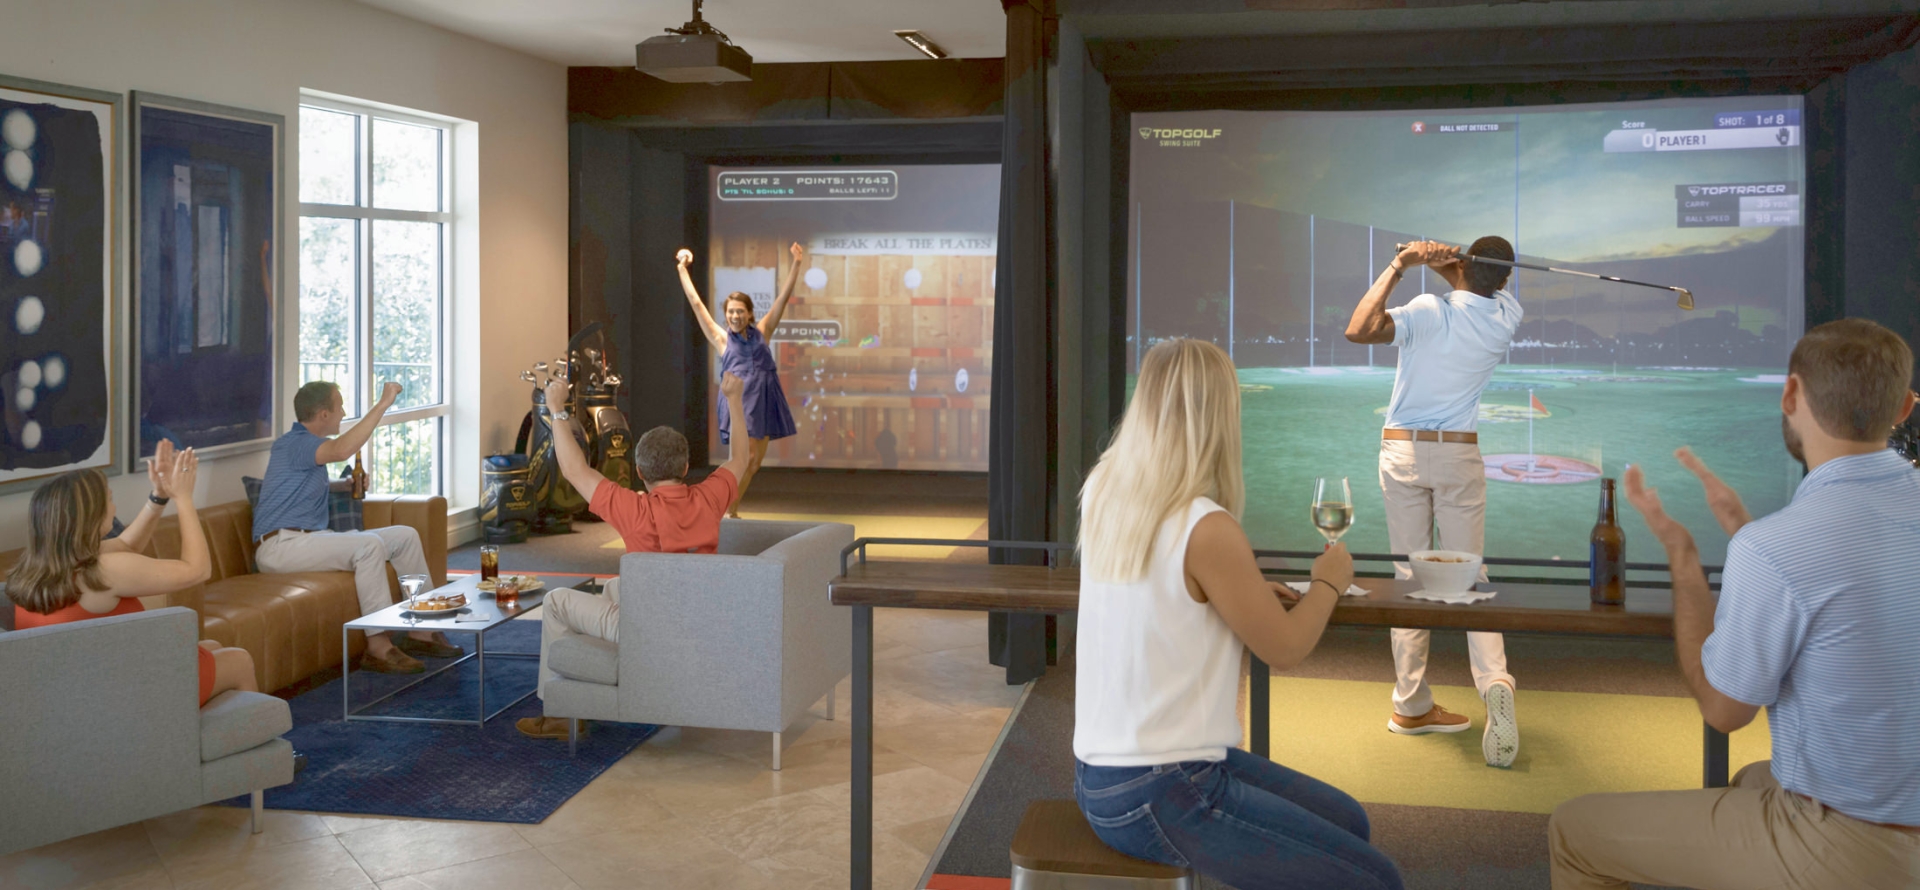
point(669, 517)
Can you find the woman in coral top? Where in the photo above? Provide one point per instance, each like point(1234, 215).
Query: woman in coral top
point(72, 572)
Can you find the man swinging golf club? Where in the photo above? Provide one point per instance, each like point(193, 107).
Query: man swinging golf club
point(1430, 468)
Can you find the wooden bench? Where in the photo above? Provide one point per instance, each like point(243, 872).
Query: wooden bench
point(1055, 849)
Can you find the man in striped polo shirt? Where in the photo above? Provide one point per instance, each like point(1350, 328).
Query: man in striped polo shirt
point(1818, 621)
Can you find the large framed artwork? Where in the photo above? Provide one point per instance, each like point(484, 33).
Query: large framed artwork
point(206, 221)
point(58, 213)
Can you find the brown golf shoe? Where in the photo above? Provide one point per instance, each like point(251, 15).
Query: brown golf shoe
point(1438, 719)
point(437, 647)
point(396, 662)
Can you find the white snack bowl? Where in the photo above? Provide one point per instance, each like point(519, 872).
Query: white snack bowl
point(1445, 577)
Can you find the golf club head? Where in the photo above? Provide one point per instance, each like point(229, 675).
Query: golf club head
point(1686, 298)
point(539, 367)
point(528, 377)
point(614, 380)
point(563, 369)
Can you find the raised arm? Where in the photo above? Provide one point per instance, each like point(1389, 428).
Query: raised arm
point(1692, 607)
point(566, 448)
point(1370, 322)
point(716, 334)
point(129, 574)
point(1220, 569)
point(771, 321)
point(349, 443)
point(134, 537)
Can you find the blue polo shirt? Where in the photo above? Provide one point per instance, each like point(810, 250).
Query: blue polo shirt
point(1449, 346)
point(1819, 621)
point(293, 494)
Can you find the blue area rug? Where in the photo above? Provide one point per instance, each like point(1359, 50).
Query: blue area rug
point(431, 771)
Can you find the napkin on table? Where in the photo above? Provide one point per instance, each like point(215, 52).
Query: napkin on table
point(1300, 587)
point(1458, 599)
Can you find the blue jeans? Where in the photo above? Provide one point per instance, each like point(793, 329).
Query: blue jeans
point(1246, 820)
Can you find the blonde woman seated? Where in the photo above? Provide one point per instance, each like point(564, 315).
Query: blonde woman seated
point(1169, 595)
point(72, 572)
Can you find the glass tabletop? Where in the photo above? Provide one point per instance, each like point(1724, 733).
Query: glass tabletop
point(481, 613)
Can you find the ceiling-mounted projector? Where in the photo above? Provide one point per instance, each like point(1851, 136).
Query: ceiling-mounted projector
point(695, 52)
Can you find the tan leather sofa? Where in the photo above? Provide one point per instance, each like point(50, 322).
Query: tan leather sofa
point(290, 623)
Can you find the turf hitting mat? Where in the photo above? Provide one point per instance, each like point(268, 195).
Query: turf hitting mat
point(1571, 743)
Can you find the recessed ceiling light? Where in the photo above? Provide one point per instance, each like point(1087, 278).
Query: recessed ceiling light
point(920, 42)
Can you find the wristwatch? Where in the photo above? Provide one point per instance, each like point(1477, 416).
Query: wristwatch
point(563, 414)
point(157, 500)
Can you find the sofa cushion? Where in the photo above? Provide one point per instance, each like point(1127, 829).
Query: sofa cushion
point(236, 721)
point(584, 658)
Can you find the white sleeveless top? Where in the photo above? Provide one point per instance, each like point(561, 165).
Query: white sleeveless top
point(1158, 674)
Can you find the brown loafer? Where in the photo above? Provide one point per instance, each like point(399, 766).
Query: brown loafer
point(438, 647)
point(545, 727)
point(396, 662)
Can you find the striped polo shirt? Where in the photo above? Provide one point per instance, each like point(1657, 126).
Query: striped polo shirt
point(293, 493)
point(1819, 620)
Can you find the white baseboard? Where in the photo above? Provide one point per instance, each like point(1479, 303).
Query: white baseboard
point(463, 527)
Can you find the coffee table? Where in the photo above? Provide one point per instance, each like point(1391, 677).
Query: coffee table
point(482, 615)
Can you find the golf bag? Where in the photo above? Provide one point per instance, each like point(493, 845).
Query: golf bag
point(611, 451)
point(507, 507)
point(555, 500)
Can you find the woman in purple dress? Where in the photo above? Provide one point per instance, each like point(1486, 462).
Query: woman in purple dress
point(745, 354)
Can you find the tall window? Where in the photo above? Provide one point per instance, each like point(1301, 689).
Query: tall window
point(375, 233)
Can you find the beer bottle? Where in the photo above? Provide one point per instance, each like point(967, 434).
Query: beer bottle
point(359, 478)
point(1607, 553)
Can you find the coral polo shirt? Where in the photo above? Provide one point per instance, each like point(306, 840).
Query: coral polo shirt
point(674, 519)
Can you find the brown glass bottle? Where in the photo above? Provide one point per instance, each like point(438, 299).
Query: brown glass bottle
point(1607, 553)
point(359, 478)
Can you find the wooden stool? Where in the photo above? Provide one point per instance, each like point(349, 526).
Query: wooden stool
point(1055, 849)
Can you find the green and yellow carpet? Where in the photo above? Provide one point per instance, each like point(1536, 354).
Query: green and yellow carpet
point(1596, 715)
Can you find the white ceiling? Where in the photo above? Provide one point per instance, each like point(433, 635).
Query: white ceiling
point(603, 32)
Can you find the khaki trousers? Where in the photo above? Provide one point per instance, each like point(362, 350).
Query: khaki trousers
point(1753, 835)
point(1436, 498)
point(365, 554)
point(566, 611)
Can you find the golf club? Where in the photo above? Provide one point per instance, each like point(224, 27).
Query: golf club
point(1685, 300)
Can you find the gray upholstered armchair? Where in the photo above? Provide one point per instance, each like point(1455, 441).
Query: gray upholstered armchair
point(741, 639)
point(103, 728)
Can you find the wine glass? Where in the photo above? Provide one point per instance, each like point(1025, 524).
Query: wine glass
point(411, 585)
point(1332, 507)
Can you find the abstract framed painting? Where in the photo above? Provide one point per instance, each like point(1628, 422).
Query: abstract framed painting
point(207, 204)
point(59, 373)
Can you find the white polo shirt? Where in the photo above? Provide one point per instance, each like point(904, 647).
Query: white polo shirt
point(1449, 347)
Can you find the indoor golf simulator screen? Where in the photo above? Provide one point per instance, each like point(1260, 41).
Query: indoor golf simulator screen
point(1260, 231)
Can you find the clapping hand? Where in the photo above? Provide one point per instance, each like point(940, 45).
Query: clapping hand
point(683, 256)
point(186, 471)
point(1647, 500)
point(1721, 498)
point(160, 469)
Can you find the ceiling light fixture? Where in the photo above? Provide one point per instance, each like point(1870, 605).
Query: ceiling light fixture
point(920, 42)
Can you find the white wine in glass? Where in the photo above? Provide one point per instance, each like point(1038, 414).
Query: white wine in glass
point(1332, 507)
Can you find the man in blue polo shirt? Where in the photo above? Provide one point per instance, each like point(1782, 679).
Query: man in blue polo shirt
point(291, 529)
point(1817, 622)
point(1432, 479)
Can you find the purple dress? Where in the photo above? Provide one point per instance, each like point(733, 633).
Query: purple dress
point(748, 358)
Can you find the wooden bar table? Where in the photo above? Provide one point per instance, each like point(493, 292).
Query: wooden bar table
point(1531, 606)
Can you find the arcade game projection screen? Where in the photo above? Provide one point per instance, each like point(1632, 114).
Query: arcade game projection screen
point(1260, 231)
point(886, 347)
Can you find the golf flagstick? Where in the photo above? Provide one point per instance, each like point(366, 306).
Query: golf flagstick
point(1685, 300)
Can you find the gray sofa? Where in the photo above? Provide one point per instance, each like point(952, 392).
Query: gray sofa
point(741, 639)
point(101, 729)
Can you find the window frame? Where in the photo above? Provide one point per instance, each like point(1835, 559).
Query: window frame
point(361, 348)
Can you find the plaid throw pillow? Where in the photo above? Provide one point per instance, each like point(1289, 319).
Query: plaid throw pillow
point(343, 512)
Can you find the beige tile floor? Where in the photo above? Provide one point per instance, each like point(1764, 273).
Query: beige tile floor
point(691, 808)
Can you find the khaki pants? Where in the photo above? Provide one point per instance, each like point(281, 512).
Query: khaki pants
point(1750, 836)
point(1436, 498)
point(365, 554)
point(566, 611)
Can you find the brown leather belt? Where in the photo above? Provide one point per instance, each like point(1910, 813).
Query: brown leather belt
point(263, 538)
point(1430, 436)
point(1908, 829)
